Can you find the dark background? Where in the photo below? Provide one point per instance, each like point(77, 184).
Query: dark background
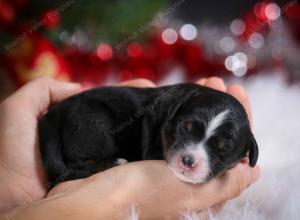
point(213, 11)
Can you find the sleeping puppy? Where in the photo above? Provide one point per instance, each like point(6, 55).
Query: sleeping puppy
point(200, 132)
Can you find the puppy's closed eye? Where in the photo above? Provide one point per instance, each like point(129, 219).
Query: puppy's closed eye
point(192, 127)
point(222, 144)
point(186, 126)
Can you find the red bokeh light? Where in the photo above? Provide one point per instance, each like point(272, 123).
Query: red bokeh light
point(7, 13)
point(134, 50)
point(125, 75)
point(260, 10)
point(104, 52)
point(51, 18)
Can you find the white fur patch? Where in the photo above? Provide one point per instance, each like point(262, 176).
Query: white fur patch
point(134, 214)
point(199, 173)
point(215, 123)
point(121, 161)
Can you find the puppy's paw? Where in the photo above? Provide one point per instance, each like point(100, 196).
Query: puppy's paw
point(120, 161)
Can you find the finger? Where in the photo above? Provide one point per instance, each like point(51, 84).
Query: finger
point(201, 81)
point(238, 92)
point(217, 208)
point(216, 83)
point(235, 181)
point(212, 211)
point(238, 179)
point(42, 92)
point(66, 187)
point(228, 186)
point(140, 83)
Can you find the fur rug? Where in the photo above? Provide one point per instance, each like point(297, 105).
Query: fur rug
point(276, 196)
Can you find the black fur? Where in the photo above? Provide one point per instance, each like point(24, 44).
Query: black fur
point(86, 133)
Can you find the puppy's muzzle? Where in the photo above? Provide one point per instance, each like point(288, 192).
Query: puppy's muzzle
point(188, 161)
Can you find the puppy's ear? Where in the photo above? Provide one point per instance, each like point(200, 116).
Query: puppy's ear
point(253, 151)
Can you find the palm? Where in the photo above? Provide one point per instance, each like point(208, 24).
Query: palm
point(19, 151)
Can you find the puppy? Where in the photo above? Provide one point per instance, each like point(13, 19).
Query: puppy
point(200, 132)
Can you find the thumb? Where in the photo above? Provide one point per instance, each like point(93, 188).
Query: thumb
point(67, 186)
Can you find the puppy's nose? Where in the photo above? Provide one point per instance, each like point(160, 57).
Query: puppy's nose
point(188, 160)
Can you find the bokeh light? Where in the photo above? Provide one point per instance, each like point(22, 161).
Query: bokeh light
point(169, 36)
point(272, 11)
point(256, 40)
point(227, 44)
point(237, 27)
point(188, 32)
point(134, 50)
point(237, 64)
point(260, 10)
point(104, 52)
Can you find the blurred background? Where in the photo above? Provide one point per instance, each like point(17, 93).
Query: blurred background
point(103, 42)
point(97, 42)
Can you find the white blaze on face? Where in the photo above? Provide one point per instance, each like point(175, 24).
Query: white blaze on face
point(200, 172)
point(215, 123)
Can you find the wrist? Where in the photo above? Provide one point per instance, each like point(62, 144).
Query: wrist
point(63, 207)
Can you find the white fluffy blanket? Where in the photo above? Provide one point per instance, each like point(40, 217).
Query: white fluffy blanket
point(276, 196)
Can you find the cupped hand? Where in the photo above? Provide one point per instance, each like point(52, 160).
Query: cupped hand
point(148, 186)
point(153, 189)
point(22, 176)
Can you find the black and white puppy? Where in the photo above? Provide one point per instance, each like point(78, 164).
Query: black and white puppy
point(200, 132)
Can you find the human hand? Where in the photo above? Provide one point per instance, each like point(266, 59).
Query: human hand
point(236, 180)
point(149, 186)
point(23, 178)
point(232, 183)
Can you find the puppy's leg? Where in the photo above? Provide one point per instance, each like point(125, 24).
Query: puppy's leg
point(114, 162)
point(120, 161)
point(88, 142)
point(88, 168)
point(109, 163)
